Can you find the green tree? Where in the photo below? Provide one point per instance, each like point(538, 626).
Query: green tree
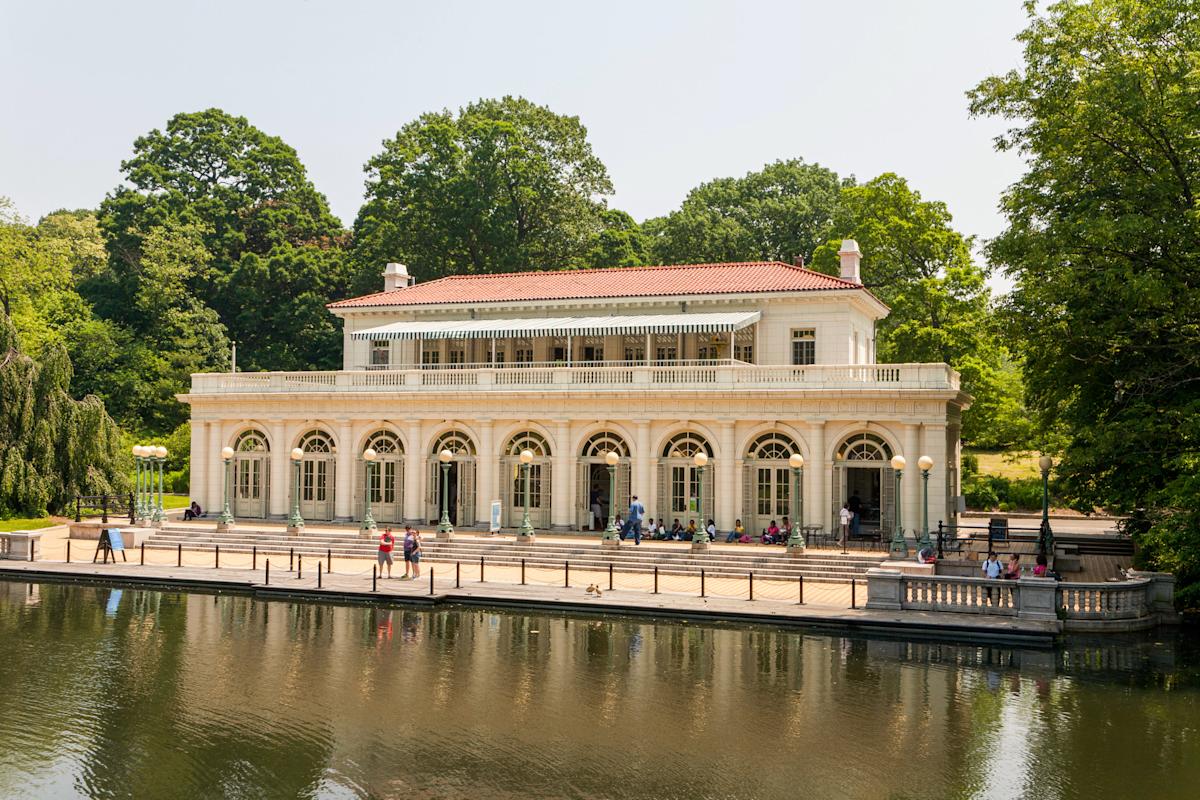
point(243, 194)
point(620, 242)
point(52, 447)
point(503, 185)
point(1103, 244)
point(781, 212)
point(916, 262)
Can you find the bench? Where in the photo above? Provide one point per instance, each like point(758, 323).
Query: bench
point(21, 545)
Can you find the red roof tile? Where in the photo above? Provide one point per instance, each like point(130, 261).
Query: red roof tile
point(681, 279)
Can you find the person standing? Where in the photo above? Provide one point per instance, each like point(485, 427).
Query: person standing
point(991, 570)
point(408, 547)
point(855, 506)
point(845, 517)
point(634, 523)
point(415, 556)
point(386, 543)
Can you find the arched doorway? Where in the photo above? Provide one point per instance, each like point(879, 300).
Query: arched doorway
point(767, 480)
point(460, 483)
point(593, 484)
point(251, 474)
point(863, 477)
point(317, 476)
point(678, 479)
point(539, 480)
point(387, 478)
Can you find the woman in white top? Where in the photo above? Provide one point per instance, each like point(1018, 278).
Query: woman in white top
point(844, 517)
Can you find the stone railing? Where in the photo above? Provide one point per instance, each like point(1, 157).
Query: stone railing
point(1142, 601)
point(734, 376)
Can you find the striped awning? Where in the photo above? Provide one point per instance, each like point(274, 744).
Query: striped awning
point(563, 326)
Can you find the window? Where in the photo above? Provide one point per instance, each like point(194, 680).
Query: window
point(381, 354)
point(523, 355)
point(430, 358)
point(455, 353)
point(804, 346)
point(665, 353)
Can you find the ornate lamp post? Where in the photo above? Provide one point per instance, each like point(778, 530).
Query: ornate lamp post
point(295, 521)
point(368, 521)
point(611, 536)
point(795, 542)
point(139, 509)
point(1046, 536)
point(899, 548)
point(926, 464)
point(526, 532)
point(225, 521)
point(444, 528)
point(700, 540)
point(160, 458)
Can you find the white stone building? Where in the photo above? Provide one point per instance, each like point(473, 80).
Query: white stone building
point(747, 361)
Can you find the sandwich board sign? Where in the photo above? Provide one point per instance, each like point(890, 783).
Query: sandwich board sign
point(111, 542)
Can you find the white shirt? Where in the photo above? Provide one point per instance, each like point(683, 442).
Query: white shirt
point(845, 516)
point(991, 569)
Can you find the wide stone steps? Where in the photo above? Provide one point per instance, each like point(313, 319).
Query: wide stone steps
point(543, 554)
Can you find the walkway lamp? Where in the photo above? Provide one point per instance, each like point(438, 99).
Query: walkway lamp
point(795, 541)
point(444, 528)
point(899, 548)
point(295, 521)
point(1045, 536)
point(526, 459)
point(611, 536)
point(926, 464)
point(368, 521)
point(160, 458)
point(701, 461)
point(139, 510)
point(225, 521)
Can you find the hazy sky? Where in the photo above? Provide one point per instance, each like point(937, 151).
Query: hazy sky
point(672, 93)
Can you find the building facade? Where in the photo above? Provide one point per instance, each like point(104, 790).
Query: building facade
point(747, 362)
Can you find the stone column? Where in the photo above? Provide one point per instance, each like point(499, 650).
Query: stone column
point(817, 501)
point(884, 587)
point(642, 459)
point(414, 474)
point(198, 466)
point(911, 483)
point(280, 492)
point(210, 491)
point(343, 499)
point(561, 503)
point(488, 472)
point(933, 444)
point(725, 502)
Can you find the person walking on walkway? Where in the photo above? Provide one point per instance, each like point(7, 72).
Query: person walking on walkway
point(386, 543)
point(408, 547)
point(416, 555)
point(634, 523)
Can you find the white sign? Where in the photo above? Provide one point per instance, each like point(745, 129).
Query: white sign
point(495, 524)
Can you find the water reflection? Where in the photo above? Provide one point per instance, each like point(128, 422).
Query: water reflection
point(147, 694)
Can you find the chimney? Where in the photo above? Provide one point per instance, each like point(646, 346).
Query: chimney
point(798, 261)
point(395, 276)
point(850, 256)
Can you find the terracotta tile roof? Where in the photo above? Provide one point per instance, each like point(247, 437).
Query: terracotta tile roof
point(681, 279)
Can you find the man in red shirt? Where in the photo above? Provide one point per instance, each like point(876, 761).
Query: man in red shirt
point(386, 542)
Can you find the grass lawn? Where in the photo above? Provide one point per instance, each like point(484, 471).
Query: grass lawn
point(26, 523)
point(176, 501)
point(1009, 464)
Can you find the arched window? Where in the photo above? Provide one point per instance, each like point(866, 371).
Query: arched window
point(456, 442)
point(528, 440)
point(252, 441)
point(316, 442)
point(864, 447)
point(773, 446)
point(385, 443)
point(686, 445)
point(602, 443)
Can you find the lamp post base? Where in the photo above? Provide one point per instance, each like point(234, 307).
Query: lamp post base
point(796, 550)
point(295, 530)
point(223, 527)
point(526, 538)
point(699, 546)
point(898, 549)
point(610, 544)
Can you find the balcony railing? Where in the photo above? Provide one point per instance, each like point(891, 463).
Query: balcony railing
point(702, 375)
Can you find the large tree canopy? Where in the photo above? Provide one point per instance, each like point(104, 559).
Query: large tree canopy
point(502, 185)
point(244, 198)
point(781, 212)
point(917, 263)
point(1104, 246)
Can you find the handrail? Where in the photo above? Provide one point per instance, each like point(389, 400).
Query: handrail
point(701, 375)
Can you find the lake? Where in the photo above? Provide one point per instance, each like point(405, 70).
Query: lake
point(115, 693)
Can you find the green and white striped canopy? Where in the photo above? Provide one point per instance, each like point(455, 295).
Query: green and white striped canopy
point(632, 324)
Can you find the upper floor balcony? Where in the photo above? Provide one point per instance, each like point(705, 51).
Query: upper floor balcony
point(700, 375)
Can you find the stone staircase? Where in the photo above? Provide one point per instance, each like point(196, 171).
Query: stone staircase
point(678, 559)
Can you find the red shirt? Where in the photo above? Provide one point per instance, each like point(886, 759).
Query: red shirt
point(385, 543)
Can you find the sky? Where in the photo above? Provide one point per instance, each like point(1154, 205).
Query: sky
point(672, 93)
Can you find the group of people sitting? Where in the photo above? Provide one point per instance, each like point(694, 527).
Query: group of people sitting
point(992, 568)
point(657, 529)
point(678, 532)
